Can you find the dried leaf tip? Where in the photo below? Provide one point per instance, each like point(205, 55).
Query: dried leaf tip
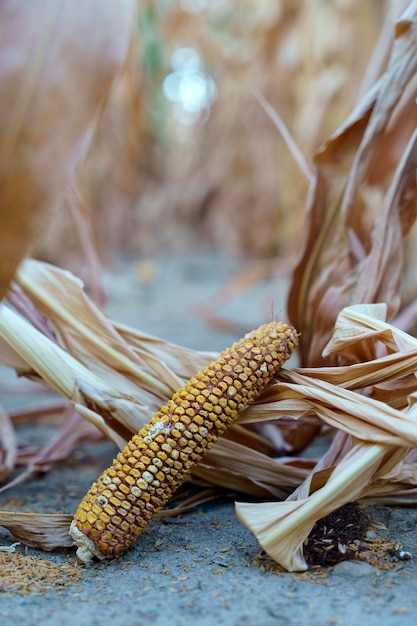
point(155, 462)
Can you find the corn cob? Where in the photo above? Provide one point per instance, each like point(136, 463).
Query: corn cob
point(143, 477)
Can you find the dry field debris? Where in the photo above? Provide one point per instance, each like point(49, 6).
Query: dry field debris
point(25, 574)
point(352, 299)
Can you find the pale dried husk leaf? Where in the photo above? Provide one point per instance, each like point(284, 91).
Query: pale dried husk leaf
point(281, 528)
point(368, 462)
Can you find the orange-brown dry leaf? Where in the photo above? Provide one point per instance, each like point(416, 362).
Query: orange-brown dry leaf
point(363, 203)
point(58, 61)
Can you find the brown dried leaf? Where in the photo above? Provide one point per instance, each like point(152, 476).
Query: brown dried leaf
point(47, 531)
point(246, 470)
point(362, 205)
point(368, 461)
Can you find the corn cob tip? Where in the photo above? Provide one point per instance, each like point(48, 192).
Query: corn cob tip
point(86, 548)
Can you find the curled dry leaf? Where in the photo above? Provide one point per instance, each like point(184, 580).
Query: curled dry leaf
point(53, 87)
point(366, 465)
point(248, 471)
point(100, 343)
point(281, 528)
point(363, 203)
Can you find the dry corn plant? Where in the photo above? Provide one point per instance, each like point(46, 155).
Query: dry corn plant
point(229, 182)
point(362, 202)
point(362, 206)
point(357, 382)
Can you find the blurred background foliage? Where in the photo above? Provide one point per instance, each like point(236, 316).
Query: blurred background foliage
point(185, 159)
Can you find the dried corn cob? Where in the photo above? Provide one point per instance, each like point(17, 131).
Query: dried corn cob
point(156, 460)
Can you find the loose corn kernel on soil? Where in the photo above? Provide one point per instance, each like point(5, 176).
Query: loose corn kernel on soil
point(155, 461)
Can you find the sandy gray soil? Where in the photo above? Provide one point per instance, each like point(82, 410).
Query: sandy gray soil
point(201, 569)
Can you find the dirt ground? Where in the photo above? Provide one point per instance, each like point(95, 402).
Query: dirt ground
point(203, 568)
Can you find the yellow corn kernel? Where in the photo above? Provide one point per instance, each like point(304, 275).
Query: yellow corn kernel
point(156, 460)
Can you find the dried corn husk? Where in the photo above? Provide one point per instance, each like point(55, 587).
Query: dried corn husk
point(382, 433)
point(361, 208)
point(380, 436)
